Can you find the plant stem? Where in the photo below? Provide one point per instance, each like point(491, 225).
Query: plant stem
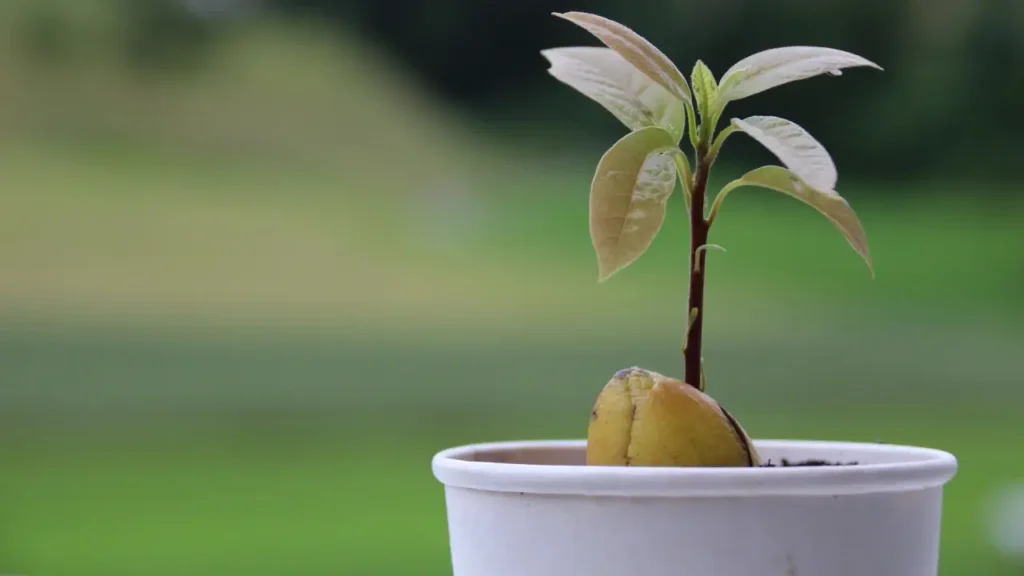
point(699, 228)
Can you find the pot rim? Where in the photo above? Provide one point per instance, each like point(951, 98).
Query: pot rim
point(519, 466)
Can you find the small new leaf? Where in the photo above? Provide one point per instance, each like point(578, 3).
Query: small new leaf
point(683, 168)
point(704, 248)
point(794, 146)
point(628, 196)
point(604, 76)
point(716, 146)
point(777, 66)
point(636, 49)
point(826, 201)
point(705, 93)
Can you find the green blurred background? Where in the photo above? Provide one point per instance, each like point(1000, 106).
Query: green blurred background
point(259, 261)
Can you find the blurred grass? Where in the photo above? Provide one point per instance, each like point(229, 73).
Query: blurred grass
point(193, 365)
point(104, 233)
point(232, 346)
point(273, 503)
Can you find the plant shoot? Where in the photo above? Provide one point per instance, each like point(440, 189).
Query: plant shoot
point(634, 180)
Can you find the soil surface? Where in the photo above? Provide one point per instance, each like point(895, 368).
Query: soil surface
point(785, 463)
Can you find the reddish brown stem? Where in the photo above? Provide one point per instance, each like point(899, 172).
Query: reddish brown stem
point(699, 228)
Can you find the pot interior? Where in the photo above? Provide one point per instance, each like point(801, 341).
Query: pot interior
point(559, 467)
point(574, 454)
point(540, 455)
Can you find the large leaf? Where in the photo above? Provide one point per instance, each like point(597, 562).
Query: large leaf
point(636, 49)
point(628, 195)
point(797, 149)
point(826, 201)
point(604, 76)
point(777, 66)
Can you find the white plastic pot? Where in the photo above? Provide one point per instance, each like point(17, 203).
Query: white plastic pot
point(535, 509)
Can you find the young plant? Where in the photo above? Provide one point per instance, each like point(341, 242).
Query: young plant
point(641, 417)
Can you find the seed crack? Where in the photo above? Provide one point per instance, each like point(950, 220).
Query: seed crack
point(629, 441)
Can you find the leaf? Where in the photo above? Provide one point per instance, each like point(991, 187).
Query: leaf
point(691, 118)
point(636, 49)
point(628, 195)
point(604, 76)
point(716, 146)
point(778, 66)
point(797, 149)
point(685, 176)
point(826, 201)
point(705, 248)
point(705, 92)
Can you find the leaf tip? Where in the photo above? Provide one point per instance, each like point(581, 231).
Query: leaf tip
point(865, 254)
point(564, 16)
point(606, 269)
point(868, 63)
point(552, 57)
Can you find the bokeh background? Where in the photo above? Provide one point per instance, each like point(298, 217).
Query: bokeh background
point(259, 261)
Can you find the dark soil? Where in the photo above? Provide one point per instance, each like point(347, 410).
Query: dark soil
point(804, 463)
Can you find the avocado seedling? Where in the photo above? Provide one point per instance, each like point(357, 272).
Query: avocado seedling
point(666, 481)
point(642, 418)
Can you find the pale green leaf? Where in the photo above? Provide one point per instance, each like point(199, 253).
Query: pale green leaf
point(705, 92)
point(703, 248)
point(636, 49)
point(716, 146)
point(827, 202)
point(685, 175)
point(794, 146)
point(604, 76)
point(691, 117)
point(771, 68)
point(628, 197)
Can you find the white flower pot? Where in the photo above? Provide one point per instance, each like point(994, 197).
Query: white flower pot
point(534, 509)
